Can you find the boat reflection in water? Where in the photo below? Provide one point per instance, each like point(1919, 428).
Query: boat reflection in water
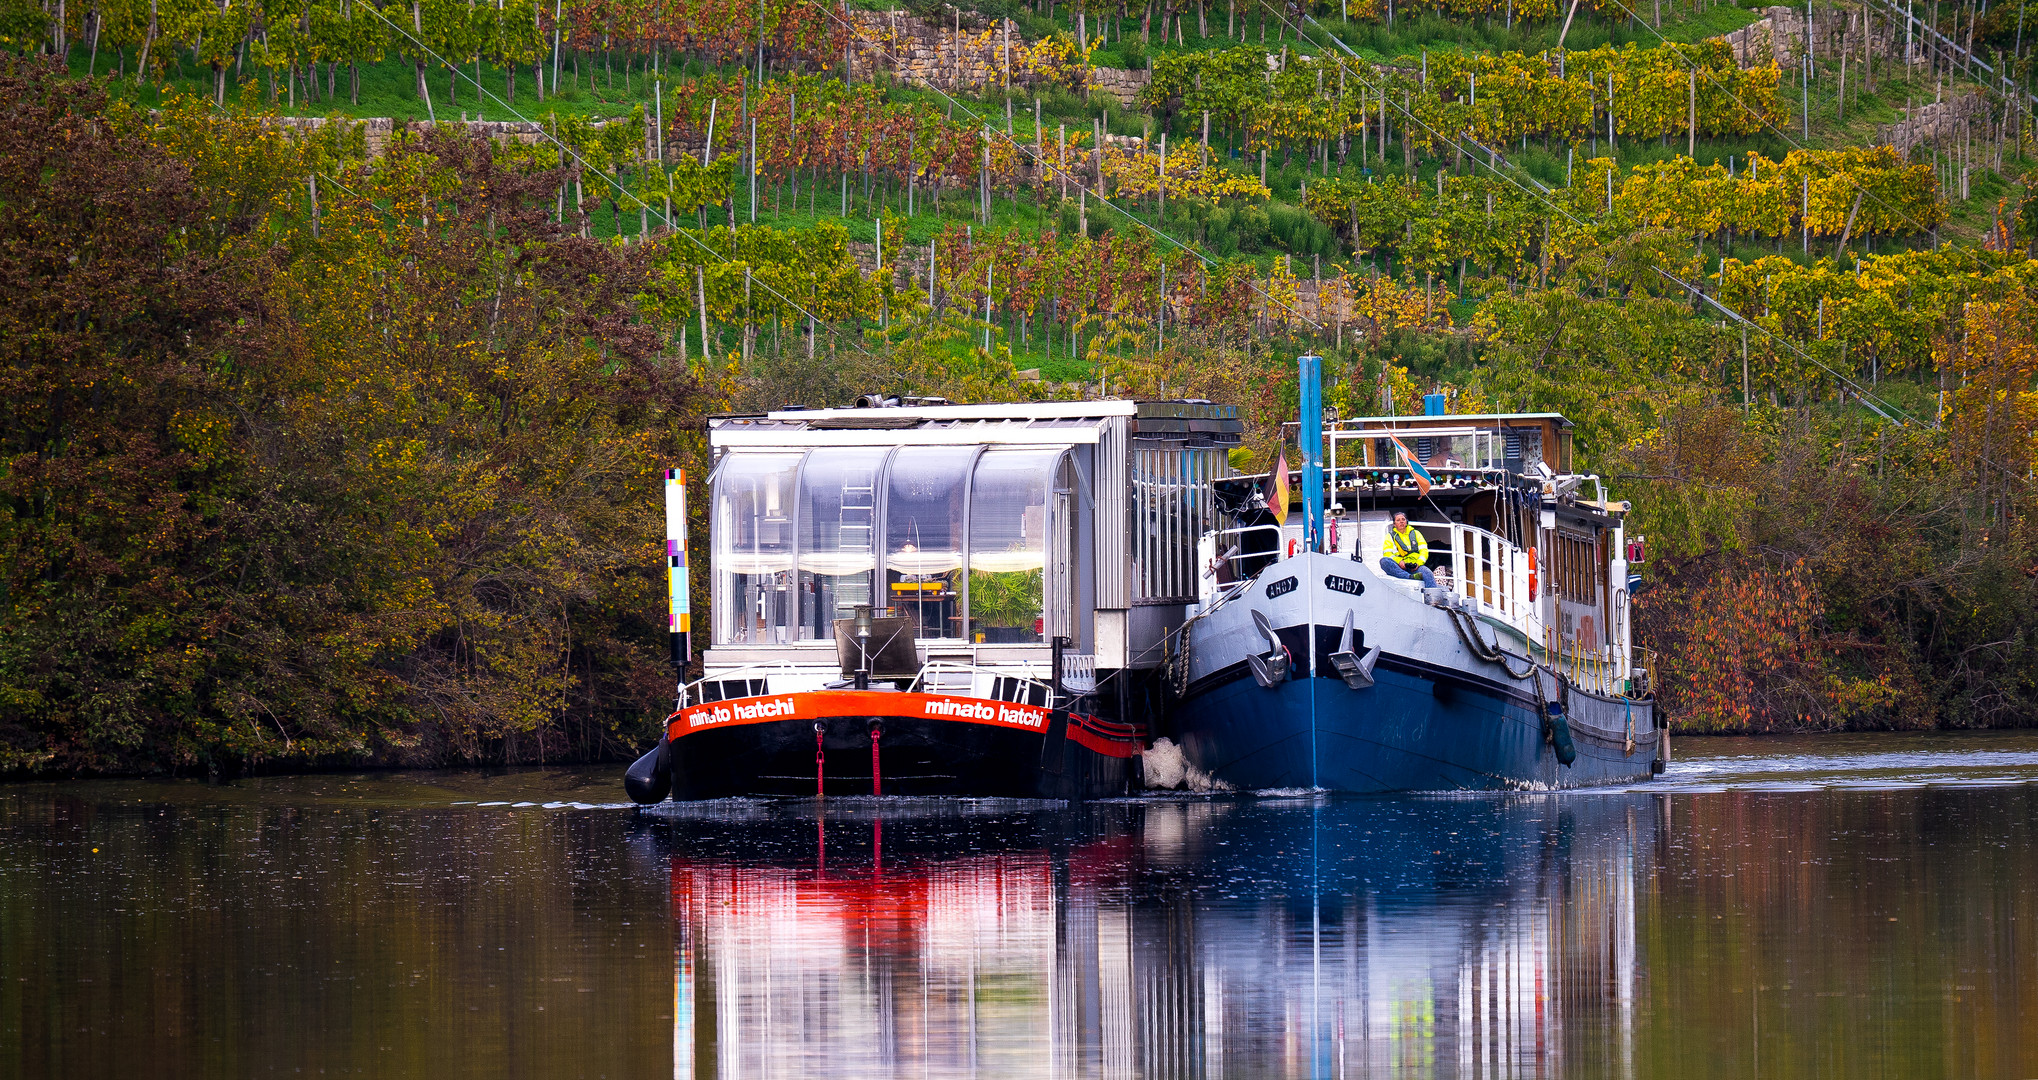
point(1466, 936)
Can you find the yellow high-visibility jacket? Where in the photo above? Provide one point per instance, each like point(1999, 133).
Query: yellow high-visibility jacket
point(1407, 547)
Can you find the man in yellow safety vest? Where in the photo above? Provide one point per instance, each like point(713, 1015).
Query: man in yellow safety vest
point(1405, 555)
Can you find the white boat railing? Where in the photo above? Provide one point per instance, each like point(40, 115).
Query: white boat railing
point(1466, 448)
point(689, 693)
point(1484, 568)
point(934, 677)
point(1493, 573)
point(1079, 674)
point(1211, 553)
point(1219, 535)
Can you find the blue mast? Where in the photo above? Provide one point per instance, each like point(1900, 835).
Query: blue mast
point(1311, 439)
point(1310, 372)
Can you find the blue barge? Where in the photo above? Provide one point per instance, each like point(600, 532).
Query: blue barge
point(1306, 663)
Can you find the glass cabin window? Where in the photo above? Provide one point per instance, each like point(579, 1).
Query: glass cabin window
point(923, 514)
point(1061, 555)
point(1008, 523)
point(838, 536)
point(753, 549)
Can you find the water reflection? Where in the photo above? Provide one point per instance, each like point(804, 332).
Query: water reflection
point(1854, 906)
point(331, 927)
point(1467, 937)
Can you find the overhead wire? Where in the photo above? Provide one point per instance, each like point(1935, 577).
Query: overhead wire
point(2009, 87)
point(1793, 143)
point(1495, 156)
point(617, 184)
point(1041, 161)
point(1874, 403)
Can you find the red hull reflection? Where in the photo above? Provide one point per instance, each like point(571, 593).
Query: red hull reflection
point(1151, 953)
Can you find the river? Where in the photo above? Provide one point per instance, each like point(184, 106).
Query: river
point(1847, 906)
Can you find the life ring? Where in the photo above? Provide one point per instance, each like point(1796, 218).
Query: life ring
point(1292, 544)
point(1532, 573)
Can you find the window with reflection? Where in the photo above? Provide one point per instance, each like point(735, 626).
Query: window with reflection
point(753, 548)
point(923, 515)
point(838, 535)
point(1008, 523)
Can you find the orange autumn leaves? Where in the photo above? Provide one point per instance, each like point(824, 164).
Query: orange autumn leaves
point(1748, 653)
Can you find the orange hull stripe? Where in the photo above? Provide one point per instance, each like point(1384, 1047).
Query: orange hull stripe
point(828, 704)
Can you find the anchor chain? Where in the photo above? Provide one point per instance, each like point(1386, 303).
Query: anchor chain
point(820, 759)
point(877, 782)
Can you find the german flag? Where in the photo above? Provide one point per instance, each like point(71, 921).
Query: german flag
point(1277, 488)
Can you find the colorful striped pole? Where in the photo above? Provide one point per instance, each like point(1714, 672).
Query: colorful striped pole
point(678, 615)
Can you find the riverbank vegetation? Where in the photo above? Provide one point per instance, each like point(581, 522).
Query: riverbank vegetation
point(366, 484)
point(326, 443)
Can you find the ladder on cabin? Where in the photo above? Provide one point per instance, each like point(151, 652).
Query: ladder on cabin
point(858, 532)
point(859, 516)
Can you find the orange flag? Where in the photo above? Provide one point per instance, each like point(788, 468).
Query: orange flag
point(1423, 479)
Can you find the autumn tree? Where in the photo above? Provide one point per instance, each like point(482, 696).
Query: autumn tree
point(379, 490)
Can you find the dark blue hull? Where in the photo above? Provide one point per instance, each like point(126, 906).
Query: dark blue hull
point(1417, 728)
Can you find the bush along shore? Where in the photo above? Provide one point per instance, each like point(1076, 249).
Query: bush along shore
point(336, 442)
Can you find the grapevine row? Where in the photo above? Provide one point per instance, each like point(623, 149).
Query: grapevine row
point(1832, 193)
point(1280, 99)
point(297, 36)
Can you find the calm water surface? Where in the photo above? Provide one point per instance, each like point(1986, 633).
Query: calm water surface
point(1854, 906)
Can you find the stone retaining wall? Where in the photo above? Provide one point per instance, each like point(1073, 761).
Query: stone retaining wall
point(1936, 122)
point(949, 57)
point(1779, 37)
point(1124, 85)
point(378, 130)
point(960, 56)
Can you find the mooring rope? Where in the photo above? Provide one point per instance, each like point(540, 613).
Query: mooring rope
point(1492, 654)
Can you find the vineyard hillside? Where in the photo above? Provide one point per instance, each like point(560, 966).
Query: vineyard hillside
point(345, 342)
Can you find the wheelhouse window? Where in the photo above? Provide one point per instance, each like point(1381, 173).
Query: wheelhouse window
point(974, 543)
point(924, 514)
point(753, 548)
point(1578, 568)
point(1008, 544)
point(838, 514)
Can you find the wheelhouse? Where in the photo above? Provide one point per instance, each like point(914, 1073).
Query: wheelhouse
point(1034, 542)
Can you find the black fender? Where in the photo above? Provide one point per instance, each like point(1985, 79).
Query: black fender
point(1557, 728)
point(649, 779)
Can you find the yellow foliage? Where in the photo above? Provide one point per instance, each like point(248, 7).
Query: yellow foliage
point(1993, 419)
point(1139, 171)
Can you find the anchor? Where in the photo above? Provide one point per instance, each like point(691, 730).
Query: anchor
point(1355, 670)
point(1270, 668)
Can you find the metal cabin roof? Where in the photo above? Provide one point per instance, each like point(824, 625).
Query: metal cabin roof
point(1448, 418)
point(1012, 422)
point(1016, 410)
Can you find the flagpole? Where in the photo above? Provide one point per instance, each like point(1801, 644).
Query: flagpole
point(1310, 374)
